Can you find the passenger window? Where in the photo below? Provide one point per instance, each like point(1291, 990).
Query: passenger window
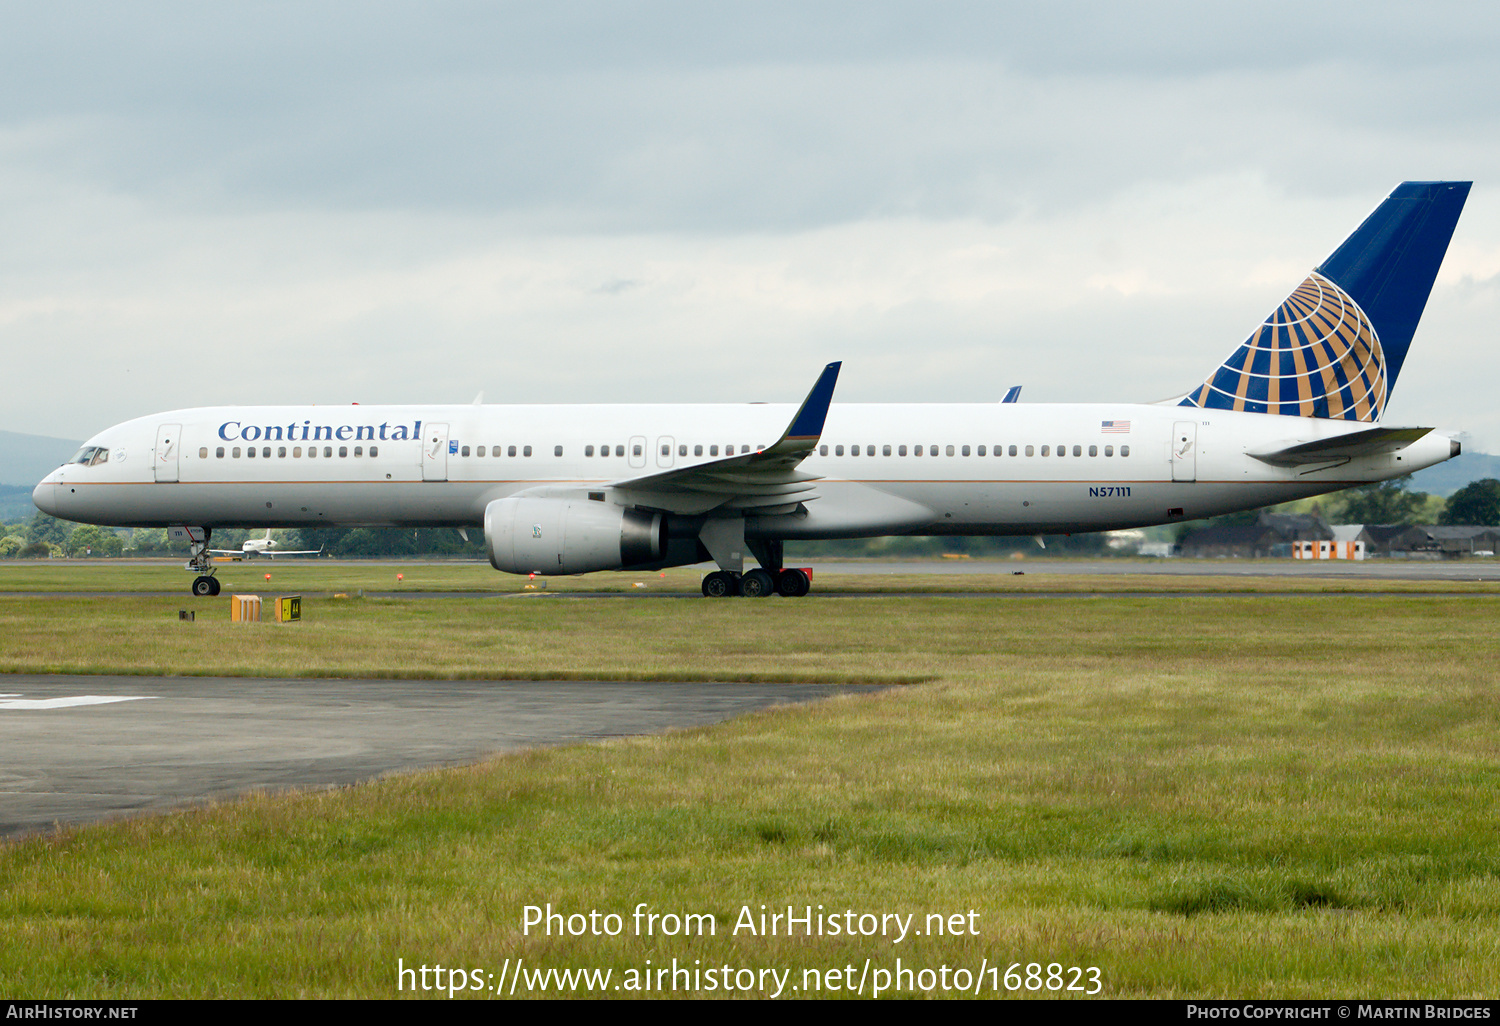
point(359, 450)
point(949, 450)
point(557, 450)
point(219, 452)
point(965, 450)
point(281, 452)
point(932, 450)
point(203, 453)
point(697, 450)
point(916, 450)
point(885, 450)
point(375, 451)
point(1062, 450)
point(1093, 450)
point(901, 451)
point(1013, 451)
point(869, 450)
point(477, 452)
point(525, 450)
point(1109, 450)
point(682, 450)
point(1032, 452)
point(822, 450)
point(635, 450)
point(713, 450)
point(1124, 450)
point(666, 450)
point(296, 452)
point(744, 448)
point(588, 450)
point(838, 450)
point(343, 452)
point(312, 452)
point(853, 450)
point(620, 450)
point(1077, 450)
point(510, 450)
point(1046, 450)
point(235, 452)
point(464, 451)
point(981, 450)
point(328, 452)
point(250, 453)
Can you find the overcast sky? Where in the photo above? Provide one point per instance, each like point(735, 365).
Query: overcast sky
point(587, 202)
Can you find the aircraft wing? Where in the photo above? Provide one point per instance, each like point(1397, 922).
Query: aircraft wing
point(767, 481)
point(272, 553)
point(1370, 442)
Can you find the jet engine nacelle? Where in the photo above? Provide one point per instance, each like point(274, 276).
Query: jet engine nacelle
point(569, 536)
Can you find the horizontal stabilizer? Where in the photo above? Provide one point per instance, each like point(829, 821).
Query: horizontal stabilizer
point(1371, 442)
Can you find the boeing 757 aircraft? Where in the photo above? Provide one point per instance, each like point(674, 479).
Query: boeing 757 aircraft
point(1294, 411)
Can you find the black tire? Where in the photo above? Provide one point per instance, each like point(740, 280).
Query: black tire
point(757, 584)
point(792, 583)
point(203, 587)
point(213, 585)
point(719, 584)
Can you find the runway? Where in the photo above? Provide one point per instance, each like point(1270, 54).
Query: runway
point(83, 749)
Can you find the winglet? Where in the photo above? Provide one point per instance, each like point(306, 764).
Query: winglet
point(1014, 395)
point(807, 426)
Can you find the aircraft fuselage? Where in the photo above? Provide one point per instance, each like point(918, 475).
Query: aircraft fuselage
point(983, 469)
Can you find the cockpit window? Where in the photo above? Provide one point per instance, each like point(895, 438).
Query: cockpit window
point(102, 456)
point(85, 455)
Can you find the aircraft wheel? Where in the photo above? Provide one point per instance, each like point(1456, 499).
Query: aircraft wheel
point(213, 583)
point(792, 583)
point(757, 584)
point(720, 584)
point(203, 586)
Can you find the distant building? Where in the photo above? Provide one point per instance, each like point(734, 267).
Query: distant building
point(1452, 542)
point(1272, 534)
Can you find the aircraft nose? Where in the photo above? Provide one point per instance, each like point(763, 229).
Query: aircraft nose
point(44, 496)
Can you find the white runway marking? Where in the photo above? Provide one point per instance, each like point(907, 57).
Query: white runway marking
point(17, 702)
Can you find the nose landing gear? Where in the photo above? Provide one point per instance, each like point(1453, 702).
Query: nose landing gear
point(200, 560)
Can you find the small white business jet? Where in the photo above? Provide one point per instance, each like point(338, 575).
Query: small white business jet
point(1294, 411)
point(268, 547)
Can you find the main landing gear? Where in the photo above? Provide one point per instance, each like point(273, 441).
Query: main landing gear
point(200, 561)
point(789, 582)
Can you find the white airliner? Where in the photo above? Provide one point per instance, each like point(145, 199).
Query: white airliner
point(1294, 411)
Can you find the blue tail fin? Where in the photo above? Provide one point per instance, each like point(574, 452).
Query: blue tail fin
point(1334, 348)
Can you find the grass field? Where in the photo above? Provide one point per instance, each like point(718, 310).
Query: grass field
point(1215, 796)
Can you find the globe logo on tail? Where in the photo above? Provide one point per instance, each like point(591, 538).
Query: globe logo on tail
point(1317, 356)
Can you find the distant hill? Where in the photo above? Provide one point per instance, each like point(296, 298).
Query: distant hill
point(1447, 478)
point(15, 504)
point(26, 459)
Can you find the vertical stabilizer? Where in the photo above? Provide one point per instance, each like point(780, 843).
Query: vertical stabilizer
point(1334, 348)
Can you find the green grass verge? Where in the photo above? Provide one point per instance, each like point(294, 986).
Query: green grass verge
point(1232, 797)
